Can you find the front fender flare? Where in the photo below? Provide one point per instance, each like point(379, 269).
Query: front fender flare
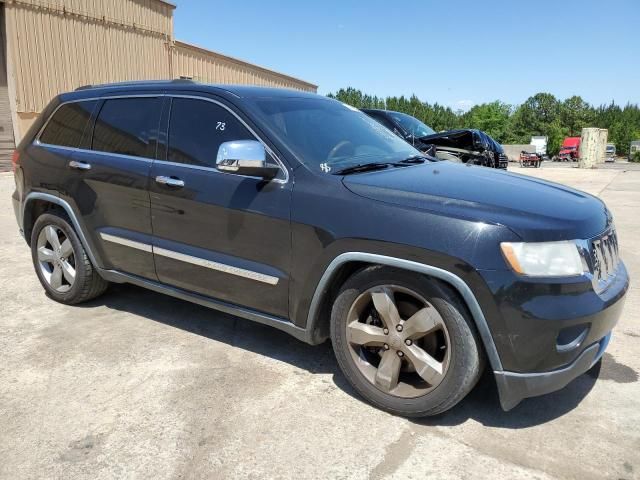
point(444, 275)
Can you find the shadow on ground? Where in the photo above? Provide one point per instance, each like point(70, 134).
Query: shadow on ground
point(481, 404)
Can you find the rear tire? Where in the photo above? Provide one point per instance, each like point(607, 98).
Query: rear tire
point(61, 262)
point(424, 377)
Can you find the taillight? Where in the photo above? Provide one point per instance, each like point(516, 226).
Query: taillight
point(15, 160)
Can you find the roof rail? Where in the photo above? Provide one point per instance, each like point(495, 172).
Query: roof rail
point(136, 83)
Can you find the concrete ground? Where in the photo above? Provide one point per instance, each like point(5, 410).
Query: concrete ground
point(140, 385)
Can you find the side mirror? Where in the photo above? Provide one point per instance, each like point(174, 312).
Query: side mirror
point(245, 157)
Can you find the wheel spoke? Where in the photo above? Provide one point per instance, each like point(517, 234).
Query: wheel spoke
point(66, 249)
point(52, 237)
point(68, 271)
point(386, 307)
point(363, 334)
point(422, 322)
point(388, 370)
point(56, 277)
point(426, 366)
point(45, 255)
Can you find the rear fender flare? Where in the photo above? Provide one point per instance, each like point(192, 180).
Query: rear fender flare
point(77, 225)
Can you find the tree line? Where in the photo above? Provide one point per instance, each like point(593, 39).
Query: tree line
point(541, 114)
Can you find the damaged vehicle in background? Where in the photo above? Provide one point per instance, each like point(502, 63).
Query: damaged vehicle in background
point(461, 145)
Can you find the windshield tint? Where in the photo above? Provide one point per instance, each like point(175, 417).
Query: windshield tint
point(412, 125)
point(327, 135)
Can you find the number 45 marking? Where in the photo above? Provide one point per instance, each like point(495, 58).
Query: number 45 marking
point(220, 125)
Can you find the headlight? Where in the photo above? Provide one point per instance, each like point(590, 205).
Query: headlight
point(545, 259)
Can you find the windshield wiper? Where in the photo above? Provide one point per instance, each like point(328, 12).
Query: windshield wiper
point(414, 159)
point(363, 167)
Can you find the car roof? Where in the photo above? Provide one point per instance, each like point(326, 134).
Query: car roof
point(239, 91)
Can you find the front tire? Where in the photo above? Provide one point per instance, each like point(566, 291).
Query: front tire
point(61, 263)
point(405, 342)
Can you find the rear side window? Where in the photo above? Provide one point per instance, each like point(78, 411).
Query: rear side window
point(197, 128)
point(68, 124)
point(128, 126)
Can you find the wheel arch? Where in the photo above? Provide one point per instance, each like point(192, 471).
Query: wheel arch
point(347, 263)
point(38, 203)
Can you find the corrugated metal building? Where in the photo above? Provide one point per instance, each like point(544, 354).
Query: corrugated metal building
point(51, 46)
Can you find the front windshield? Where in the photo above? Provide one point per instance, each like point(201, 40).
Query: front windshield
point(328, 136)
point(412, 125)
point(611, 148)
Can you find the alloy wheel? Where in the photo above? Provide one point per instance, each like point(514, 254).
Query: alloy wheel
point(56, 258)
point(398, 341)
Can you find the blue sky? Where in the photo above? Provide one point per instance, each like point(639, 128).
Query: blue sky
point(457, 52)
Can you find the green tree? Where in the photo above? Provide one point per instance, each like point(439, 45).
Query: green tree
point(541, 114)
point(535, 116)
point(493, 118)
point(576, 114)
point(623, 124)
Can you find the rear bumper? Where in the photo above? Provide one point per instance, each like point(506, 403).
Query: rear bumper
point(17, 209)
point(515, 387)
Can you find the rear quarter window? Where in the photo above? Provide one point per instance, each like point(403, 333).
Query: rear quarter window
point(68, 125)
point(128, 126)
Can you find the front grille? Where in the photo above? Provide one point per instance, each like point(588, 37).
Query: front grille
point(604, 258)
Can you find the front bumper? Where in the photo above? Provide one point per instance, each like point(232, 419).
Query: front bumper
point(547, 334)
point(515, 387)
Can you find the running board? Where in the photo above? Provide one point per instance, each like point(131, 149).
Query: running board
point(243, 312)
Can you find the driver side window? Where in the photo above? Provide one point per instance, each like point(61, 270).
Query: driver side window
point(197, 128)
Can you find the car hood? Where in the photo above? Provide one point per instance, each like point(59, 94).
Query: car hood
point(461, 138)
point(534, 209)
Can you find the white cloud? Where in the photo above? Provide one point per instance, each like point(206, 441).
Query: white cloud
point(463, 105)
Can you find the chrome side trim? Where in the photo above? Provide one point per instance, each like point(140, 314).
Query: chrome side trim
point(222, 267)
point(67, 208)
point(201, 262)
point(145, 247)
point(93, 152)
point(194, 97)
point(452, 279)
point(243, 312)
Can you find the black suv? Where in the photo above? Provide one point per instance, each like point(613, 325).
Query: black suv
point(299, 212)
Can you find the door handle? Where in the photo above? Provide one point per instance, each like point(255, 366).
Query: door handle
point(79, 165)
point(170, 181)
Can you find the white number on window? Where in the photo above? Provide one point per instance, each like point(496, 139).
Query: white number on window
point(220, 125)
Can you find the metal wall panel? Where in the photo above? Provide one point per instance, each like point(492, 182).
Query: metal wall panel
point(206, 66)
point(55, 46)
point(53, 51)
point(154, 16)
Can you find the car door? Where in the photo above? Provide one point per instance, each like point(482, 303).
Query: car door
point(222, 235)
point(108, 181)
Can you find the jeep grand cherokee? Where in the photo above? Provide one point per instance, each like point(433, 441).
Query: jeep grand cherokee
point(299, 212)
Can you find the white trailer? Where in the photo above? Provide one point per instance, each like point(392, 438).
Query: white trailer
point(540, 144)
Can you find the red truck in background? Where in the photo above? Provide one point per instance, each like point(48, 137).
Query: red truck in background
point(570, 150)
